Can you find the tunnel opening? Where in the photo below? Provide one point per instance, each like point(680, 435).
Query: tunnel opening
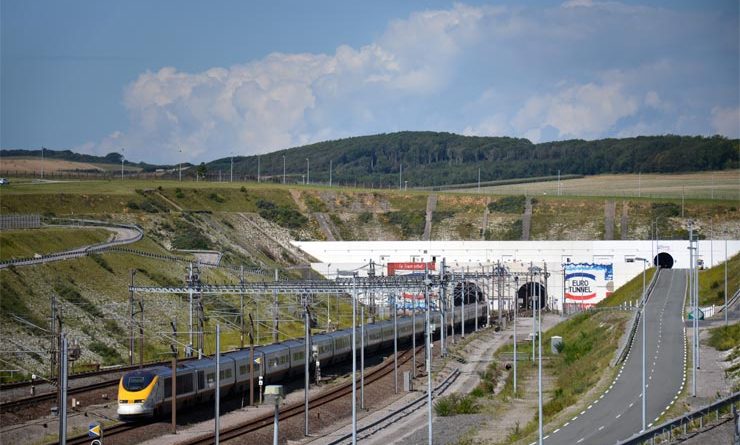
point(663, 260)
point(527, 294)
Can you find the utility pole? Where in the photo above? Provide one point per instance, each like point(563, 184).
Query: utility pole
point(478, 179)
point(428, 341)
point(63, 373)
point(308, 172)
point(307, 354)
point(132, 321)
point(400, 176)
point(330, 169)
point(259, 168)
point(231, 173)
point(539, 363)
point(217, 413)
point(516, 309)
point(251, 360)
point(173, 347)
point(443, 310)
point(275, 321)
point(283, 169)
point(395, 344)
point(42, 162)
point(54, 335)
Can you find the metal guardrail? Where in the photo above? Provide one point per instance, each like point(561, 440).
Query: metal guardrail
point(666, 429)
point(110, 246)
point(624, 349)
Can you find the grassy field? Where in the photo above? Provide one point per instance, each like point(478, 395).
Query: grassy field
point(26, 243)
point(722, 185)
point(630, 292)
point(33, 164)
point(712, 282)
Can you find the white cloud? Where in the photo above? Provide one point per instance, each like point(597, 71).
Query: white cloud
point(583, 69)
point(726, 121)
point(579, 111)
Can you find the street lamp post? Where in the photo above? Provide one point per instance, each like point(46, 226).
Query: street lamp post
point(283, 169)
point(42, 162)
point(644, 323)
point(308, 172)
point(122, 159)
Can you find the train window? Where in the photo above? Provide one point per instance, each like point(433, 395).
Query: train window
point(298, 356)
point(201, 379)
point(168, 387)
point(137, 380)
point(185, 384)
point(242, 369)
point(211, 377)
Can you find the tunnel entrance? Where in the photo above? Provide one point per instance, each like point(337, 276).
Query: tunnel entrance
point(664, 260)
point(526, 295)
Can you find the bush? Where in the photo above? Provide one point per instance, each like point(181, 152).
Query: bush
point(365, 217)
point(133, 205)
point(508, 204)
point(725, 337)
point(411, 223)
point(455, 404)
point(179, 194)
point(282, 216)
point(216, 197)
point(109, 355)
point(101, 262)
point(71, 294)
point(189, 237)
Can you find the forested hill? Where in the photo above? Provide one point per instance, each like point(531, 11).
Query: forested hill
point(69, 155)
point(430, 158)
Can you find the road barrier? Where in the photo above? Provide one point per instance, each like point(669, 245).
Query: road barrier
point(664, 433)
point(625, 347)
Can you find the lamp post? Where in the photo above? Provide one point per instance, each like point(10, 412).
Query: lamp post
point(308, 172)
point(516, 309)
point(42, 162)
point(354, 352)
point(122, 159)
point(283, 169)
point(231, 174)
point(179, 176)
point(330, 168)
point(274, 393)
point(644, 322)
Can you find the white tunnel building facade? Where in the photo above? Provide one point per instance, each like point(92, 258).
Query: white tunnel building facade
point(578, 272)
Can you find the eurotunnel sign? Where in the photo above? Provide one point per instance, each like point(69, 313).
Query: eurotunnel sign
point(588, 283)
point(409, 266)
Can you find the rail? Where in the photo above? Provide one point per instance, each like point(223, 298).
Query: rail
point(625, 347)
point(667, 429)
point(439, 389)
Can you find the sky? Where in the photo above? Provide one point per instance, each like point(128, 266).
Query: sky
point(176, 81)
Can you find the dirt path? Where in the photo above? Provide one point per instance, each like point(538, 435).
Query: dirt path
point(169, 201)
point(623, 223)
point(527, 219)
point(485, 220)
point(296, 195)
point(610, 210)
point(431, 206)
point(326, 226)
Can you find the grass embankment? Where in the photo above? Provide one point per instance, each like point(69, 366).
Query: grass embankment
point(727, 338)
point(26, 243)
point(93, 299)
point(712, 282)
point(630, 292)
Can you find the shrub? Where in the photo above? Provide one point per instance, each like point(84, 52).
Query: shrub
point(188, 237)
point(67, 292)
point(133, 205)
point(243, 189)
point(282, 216)
point(101, 262)
point(109, 355)
point(216, 197)
point(411, 223)
point(179, 194)
point(725, 337)
point(365, 217)
point(455, 404)
point(508, 204)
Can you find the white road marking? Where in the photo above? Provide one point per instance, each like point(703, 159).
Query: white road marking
point(580, 440)
point(601, 427)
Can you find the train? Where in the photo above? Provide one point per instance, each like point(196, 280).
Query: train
point(148, 392)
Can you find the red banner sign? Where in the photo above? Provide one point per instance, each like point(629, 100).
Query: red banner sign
point(418, 267)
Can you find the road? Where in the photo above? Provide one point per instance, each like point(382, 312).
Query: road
point(617, 414)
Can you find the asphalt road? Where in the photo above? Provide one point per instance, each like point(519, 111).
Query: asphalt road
point(617, 414)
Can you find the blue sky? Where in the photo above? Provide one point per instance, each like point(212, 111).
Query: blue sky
point(178, 80)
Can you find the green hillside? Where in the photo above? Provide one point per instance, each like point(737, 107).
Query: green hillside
point(436, 159)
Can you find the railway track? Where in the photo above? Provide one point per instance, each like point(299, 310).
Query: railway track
point(30, 400)
point(296, 409)
point(286, 412)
